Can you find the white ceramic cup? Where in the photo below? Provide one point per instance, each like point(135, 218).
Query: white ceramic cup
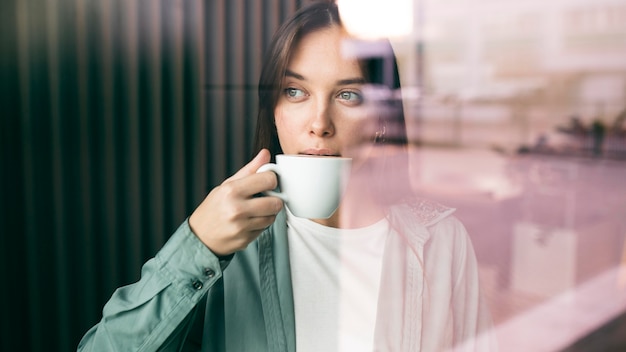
point(311, 186)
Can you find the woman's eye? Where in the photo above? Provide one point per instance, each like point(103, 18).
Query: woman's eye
point(294, 92)
point(352, 97)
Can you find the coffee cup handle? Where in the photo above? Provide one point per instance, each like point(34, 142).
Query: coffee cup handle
point(275, 169)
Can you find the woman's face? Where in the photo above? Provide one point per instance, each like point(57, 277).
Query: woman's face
point(320, 109)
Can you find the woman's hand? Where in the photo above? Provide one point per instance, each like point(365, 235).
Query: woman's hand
point(230, 217)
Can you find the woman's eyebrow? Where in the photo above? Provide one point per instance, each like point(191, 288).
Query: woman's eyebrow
point(289, 73)
point(342, 82)
point(356, 80)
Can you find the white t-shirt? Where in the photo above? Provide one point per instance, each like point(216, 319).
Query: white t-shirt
point(336, 278)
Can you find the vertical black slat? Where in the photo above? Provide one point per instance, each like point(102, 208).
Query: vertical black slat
point(74, 209)
point(69, 215)
point(156, 148)
point(6, 30)
point(6, 142)
point(157, 238)
point(172, 91)
point(40, 236)
point(135, 135)
point(87, 302)
point(107, 130)
point(271, 19)
point(43, 240)
point(215, 96)
point(254, 57)
point(179, 136)
point(195, 122)
point(14, 321)
point(129, 205)
point(235, 70)
point(118, 141)
point(146, 117)
point(24, 74)
point(92, 166)
point(168, 89)
point(98, 251)
point(58, 173)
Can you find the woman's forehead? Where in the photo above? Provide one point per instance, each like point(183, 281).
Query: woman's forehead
point(320, 53)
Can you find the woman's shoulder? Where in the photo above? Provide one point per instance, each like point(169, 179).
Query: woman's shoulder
point(426, 220)
point(424, 211)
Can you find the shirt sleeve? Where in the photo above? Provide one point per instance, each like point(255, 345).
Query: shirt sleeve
point(155, 312)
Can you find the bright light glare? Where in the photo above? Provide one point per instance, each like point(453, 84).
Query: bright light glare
point(375, 19)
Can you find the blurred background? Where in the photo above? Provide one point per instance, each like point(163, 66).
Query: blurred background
point(117, 118)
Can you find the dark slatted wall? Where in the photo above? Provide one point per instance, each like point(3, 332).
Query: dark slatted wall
point(117, 117)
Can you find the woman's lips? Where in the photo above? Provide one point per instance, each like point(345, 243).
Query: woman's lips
point(320, 152)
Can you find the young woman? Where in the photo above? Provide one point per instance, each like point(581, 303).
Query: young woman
point(386, 272)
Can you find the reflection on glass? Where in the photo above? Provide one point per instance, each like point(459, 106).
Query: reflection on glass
point(520, 124)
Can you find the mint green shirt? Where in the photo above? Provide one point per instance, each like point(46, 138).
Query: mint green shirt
point(183, 285)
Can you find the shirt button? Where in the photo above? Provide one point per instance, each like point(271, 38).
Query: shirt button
point(197, 284)
point(208, 272)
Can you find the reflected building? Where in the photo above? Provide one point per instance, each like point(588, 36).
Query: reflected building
point(520, 67)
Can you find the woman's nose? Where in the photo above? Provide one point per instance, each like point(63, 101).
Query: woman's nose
point(321, 121)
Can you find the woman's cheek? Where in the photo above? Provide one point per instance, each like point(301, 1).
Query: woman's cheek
point(287, 129)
